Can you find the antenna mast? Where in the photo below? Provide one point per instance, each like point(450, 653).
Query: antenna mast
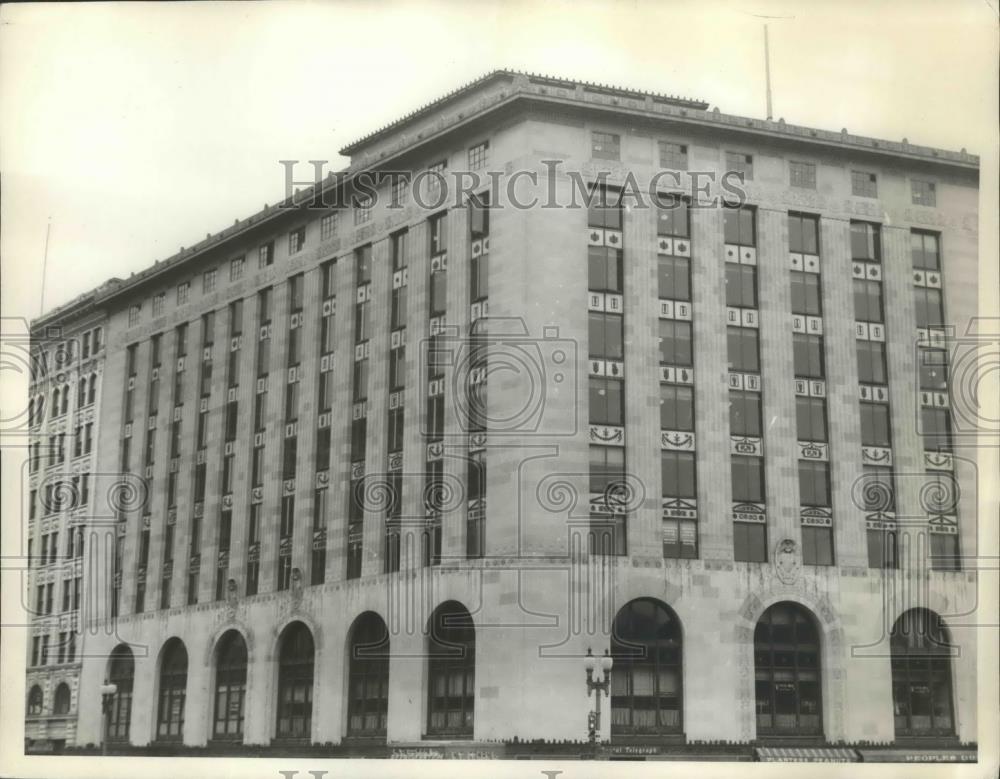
point(45, 263)
point(767, 73)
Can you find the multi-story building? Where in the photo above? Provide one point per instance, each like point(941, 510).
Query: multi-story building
point(404, 463)
point(63, 479)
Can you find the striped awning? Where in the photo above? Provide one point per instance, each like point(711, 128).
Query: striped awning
point(806, 755)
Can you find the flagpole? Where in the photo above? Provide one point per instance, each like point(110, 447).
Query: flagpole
point(767, 73)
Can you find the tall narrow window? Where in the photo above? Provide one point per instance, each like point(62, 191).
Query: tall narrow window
point(787, 670)
point(295, 683)
point(173, 686)
point(646, 683)
point(451, 691)
point(121, 673)
point(368, 677)
point(921, 675)
point(230, 687)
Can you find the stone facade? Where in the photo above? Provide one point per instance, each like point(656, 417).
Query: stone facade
point(537, 599)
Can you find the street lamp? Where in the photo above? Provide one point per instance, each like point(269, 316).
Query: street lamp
point(603, 686)
point(107, 698)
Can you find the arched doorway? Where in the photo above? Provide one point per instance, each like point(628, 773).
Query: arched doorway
point(368, 677)
point(921, 675)
point(173, 687)
point(121, 673)
point(230, 687)
point(787, 672)
point(646, 681)
point(296, 661)
point(36, 701)
point(451, 677)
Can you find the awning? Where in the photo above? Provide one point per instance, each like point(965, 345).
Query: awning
point(806, 755)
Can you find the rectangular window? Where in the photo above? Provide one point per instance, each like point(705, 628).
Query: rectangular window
point(806, 293)
point(479, 277)
point(363, 210)
point(436, 231)
point(933, 368)
point(740, 163)
point(435, 417)
point(397, 369)
point(926, 250)
point(817, 545)
point(362, 322)
point(265, 254)
point(742, 344)
point(923, 193)
point(882, 552)
point(604, 209)
point(236, 268)
point(748, 479)
point(605, 146)
point(674, 342)
point(607, 401)
point(183, 292)
point(363, 265)
point(676, 407)
point(605, 339)
point(871, 362)
point(359, 439)
point(814, 483)
point(397, 314)
point(868, 301)
point(672, 216)
point(158, 302)
point(750, 542)
point(864, 184)
point(400, 191)
point(325, 391)
point(328, 226)
point(438, 293)
point(803, 233)
point(208, 281)
point(802, 174)
point(807, 353)
point(944, 552)
point(741, 285)
point(936, 429)
point(399, 259)
point(866, 242)
point(296, 239)
point(929, 307)
point(739, 226)
point(673, 278)
point(744, 413)
point(133, 315)
point(291, 401)
point(875, 425)
point(479, 215)
point(288, 457)
point(604, 269)
point(394, 426)
point(810, 419)
point(673, 155)
point(607, 467)
point(360, 382)
point(478, 155)
point(677, 475)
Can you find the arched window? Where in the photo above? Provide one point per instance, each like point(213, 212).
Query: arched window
point(92, 388)
point(295, 682)
point(62, 699)
point(451, 672)
point(921, 675)
point(230, 686)
point(55, 402)
point(40, 410)
point(81, 392)
point(35, 701)
point(787, 661)
point(121, 673)
point(65, 399)
point(368, 684)
point(173, 683)
point(646, 678)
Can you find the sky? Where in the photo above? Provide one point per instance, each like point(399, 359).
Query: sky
point(140, 128)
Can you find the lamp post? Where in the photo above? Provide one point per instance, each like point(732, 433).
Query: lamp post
point(597, 687)
point(107, 698)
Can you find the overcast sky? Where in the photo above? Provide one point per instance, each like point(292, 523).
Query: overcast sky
point(139, 128)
